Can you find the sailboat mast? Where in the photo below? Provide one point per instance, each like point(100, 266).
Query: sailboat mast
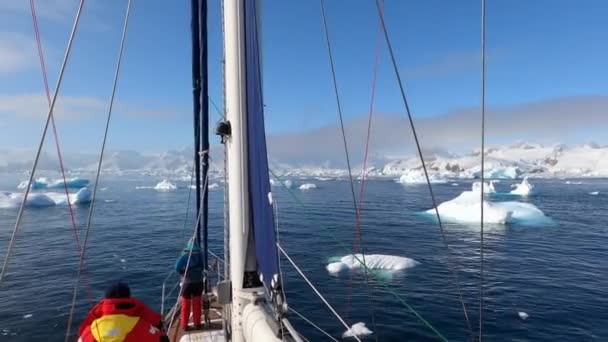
point(196, 106)
point(204, 128)
point(236, 157)
point(200, 100)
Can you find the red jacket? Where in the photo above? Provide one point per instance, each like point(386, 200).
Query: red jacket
point(121, 320)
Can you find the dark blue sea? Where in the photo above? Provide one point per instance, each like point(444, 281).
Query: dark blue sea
point(557, 273)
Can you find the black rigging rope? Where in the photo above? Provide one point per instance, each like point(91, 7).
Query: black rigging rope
point(483, 129)
point(426, 174)
point(348, 164)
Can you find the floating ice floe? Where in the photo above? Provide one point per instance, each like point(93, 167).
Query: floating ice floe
point(286, 183)
point(307, 186)
point(82, 196)
point(417, 177)
point(323, 179)
point(357, 329)
point(165, 185)
point(523, 189)
point(213, 186)
point(454, 184)
point(372, 261)
point(523, 315)
point(488, 187)
point(594, 193)
point(574, 182)
point(466, 209)
point(43, 199)
point(28, 316)
point(44, 183)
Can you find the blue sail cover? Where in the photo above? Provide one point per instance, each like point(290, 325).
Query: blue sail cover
point(262, 218)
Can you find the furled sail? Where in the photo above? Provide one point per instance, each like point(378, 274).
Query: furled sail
point(262, 219)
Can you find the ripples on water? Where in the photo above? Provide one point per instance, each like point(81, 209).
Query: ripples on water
point(557, 274)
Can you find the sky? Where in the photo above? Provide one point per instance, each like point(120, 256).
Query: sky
point(541, 56)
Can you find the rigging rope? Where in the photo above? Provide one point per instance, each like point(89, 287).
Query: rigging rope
point(101, 154)
point(56, 136)
point(483, 130)
point(198, 218)
point(348, 164)
point(314, 325)
point(315, 290)
point(376, 276)
point(426, 174)
point(188, 206)
point(42, 138)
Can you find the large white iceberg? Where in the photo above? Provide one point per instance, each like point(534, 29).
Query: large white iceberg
point(373, 261)
point(357, 329)
point(308, 186)
point(165, 185)
point(466, 209)
point(44, 183)
point(417, 177)
point(523, 189)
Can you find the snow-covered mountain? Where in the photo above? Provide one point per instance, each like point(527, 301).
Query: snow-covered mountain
point(513, 161)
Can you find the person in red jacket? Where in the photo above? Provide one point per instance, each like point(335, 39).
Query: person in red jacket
point(120, 318)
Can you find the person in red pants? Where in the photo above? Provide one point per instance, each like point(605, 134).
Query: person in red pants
point(190, 266)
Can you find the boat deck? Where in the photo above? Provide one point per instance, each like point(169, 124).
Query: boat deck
point(212, 332)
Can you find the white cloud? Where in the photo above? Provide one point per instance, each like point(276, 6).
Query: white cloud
point(56, 10)
point(35, 106)
point(17, 52)
point(556, 120)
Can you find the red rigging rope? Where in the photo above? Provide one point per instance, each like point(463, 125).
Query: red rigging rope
point(364, 167)
point(56, 136)
point(348, 164)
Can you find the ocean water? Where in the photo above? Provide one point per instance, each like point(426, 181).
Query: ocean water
point(557, 273)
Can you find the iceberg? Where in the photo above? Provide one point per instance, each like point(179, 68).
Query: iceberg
point(466, 209)
point(594, 193)
point(212, 186)
point(287, 183)
point(83, 196)
point(165, 185)
point(357, 329)
point(307, 186)
point(488, 187)
point(523, 189)
point(34, 200)
point(508, 172)
point(417, 177)
point(373, 261)
point(45, 183)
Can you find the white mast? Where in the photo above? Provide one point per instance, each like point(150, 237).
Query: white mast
point(249, 321)
point(236, 154)
point(242, 256)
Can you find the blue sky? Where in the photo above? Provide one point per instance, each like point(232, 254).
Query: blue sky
point(537, 50)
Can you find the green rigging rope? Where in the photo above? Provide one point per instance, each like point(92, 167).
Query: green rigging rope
point(375, 274)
